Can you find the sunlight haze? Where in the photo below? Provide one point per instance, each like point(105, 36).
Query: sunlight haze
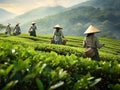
point(21, 6)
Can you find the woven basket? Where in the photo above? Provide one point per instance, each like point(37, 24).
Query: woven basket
point(89, 52)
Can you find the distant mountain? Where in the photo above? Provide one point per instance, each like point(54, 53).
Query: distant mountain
point(5, 15)
point(101, 13)
point(37, 14)
point(115, 4)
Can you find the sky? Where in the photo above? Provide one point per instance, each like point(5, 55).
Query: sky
point(21, 6)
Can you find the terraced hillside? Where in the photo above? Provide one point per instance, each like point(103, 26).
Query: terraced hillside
point(32, 63)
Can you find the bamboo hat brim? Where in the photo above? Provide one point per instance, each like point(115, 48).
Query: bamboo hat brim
point(91, 29)
point(8, 24)
point(57, 26)
point(33, 22)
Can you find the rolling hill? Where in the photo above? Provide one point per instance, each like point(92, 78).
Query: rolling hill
point(5, 15)
point(36, 14)
point(77, 19)
point(100, 4)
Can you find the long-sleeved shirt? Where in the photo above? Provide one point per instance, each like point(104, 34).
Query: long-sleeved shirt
point(58, 35)
point(91, 41)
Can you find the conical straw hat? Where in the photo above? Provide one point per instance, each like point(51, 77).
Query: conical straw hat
point(33, 22)
point(91, 29)
point(8, 24)
point(58, 26)
point(17, 23)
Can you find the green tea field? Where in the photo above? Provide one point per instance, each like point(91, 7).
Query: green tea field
point(32, 63)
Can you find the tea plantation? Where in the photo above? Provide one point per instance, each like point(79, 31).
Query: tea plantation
point(32, 63)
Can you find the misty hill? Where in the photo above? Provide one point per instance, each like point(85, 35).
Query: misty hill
point(76, 20)
point(115, 4)
point(5, 15)
point(37, 13)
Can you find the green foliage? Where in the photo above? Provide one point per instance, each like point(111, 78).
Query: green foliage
point(116, 87)
point(39, 84)
point(9, 85)
point(29, 64)
point(86, 82)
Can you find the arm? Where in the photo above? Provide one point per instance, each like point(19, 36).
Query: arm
point(14, 28)
point(20, 29)
point(35, 27)
point(62, 34)
point(29, 30)
point(54, 34)
point(98, 44)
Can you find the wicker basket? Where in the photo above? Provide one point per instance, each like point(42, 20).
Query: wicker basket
point(89, 52)
point(64, 42)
